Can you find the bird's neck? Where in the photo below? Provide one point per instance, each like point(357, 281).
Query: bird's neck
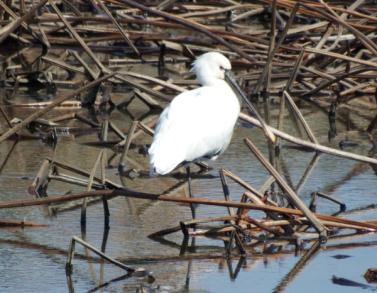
point(212, 82)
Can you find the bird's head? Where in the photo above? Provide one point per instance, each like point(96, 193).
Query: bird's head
point(210, 67)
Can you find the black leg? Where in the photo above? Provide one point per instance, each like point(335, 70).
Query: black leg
point(192, 206)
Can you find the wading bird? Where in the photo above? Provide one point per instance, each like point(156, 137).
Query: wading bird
point(198, 124)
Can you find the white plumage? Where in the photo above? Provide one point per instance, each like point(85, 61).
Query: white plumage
point(198, 124)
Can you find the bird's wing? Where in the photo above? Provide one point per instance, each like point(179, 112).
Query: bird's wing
point(192, 126)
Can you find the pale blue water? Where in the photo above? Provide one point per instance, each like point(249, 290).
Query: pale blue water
point(33, 259)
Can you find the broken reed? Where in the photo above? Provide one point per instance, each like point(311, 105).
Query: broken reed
point(268, 55)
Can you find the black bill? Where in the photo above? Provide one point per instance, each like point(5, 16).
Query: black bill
point(229, 78)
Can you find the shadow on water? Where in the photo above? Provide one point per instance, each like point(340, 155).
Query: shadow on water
point(90, 143)
point(177, 262)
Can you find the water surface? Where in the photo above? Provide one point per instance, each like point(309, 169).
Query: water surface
point(33, 259)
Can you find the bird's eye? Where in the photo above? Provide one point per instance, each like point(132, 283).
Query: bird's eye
point(222, 68)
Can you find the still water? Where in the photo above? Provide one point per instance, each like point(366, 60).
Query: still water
point(33, 259)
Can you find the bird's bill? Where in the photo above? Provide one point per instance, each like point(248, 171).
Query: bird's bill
point(229, 78)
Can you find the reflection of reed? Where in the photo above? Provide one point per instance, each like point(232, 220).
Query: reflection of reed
point(311, 166)
point(203, 252)
point(358, 169)
point(304, 260)
point(5, 161)
point(333, 73)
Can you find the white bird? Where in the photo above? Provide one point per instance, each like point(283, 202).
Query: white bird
point(198, 124)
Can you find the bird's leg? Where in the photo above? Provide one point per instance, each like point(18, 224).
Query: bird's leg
point(192, 206)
